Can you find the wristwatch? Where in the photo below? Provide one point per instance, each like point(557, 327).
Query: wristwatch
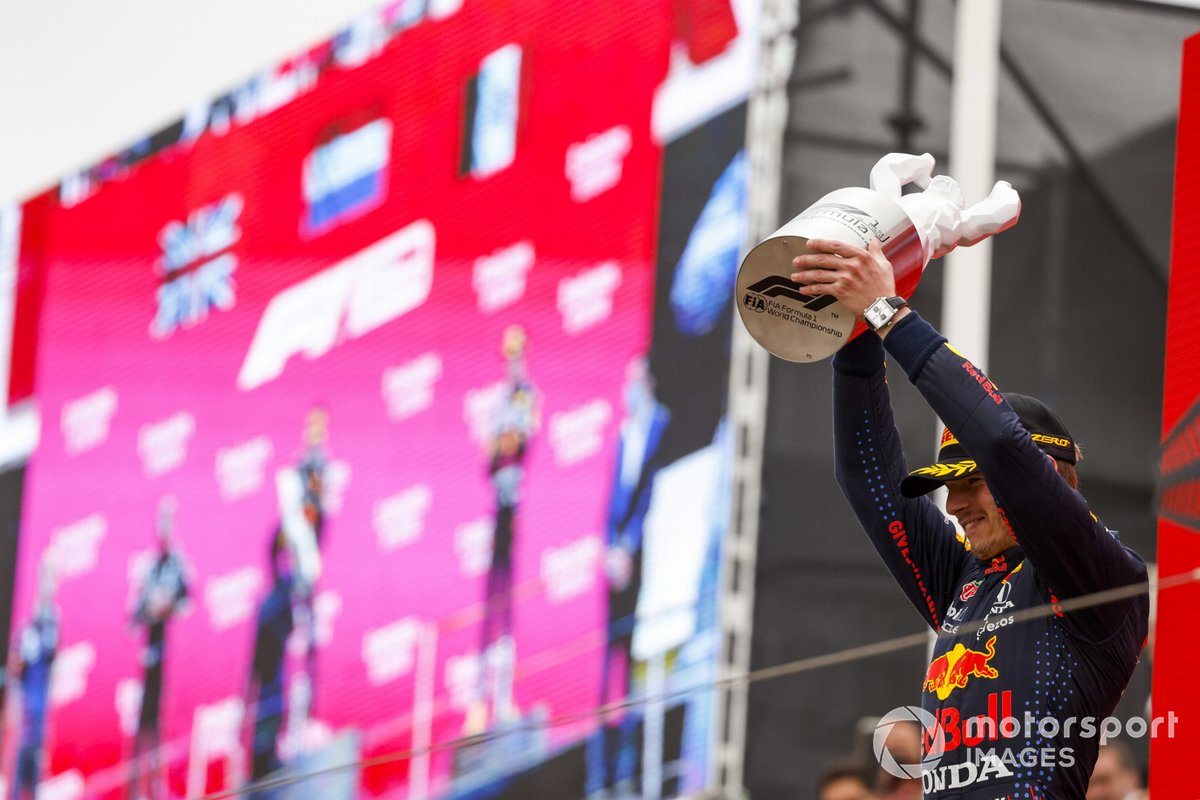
point(880, 313)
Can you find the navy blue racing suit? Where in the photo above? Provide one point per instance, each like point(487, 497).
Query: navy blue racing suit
point(1020, 704)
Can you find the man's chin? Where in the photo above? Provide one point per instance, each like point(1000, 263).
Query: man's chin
point(987, 549)
point(993, 546)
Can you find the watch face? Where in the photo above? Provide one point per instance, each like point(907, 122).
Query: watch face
point(879, 314)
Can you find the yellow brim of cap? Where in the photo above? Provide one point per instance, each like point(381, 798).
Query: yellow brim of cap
point(926, 479)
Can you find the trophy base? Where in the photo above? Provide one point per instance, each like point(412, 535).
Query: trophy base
point(797, 327)
point(790, 325)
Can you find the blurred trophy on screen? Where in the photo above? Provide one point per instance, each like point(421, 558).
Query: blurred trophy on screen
point(911, 228)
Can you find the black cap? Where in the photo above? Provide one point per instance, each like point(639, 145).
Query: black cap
point(1046, 428)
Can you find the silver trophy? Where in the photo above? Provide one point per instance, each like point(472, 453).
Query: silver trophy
point(912, 229)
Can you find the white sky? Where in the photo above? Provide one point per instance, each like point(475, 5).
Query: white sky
point(80, 80)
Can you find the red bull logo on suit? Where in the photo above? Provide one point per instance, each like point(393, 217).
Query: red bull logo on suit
point(954, 668)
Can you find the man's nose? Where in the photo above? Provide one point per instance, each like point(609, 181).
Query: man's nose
point(955, 502)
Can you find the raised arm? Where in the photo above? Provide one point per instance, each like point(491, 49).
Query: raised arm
point(1072, 551)
point(915, 541)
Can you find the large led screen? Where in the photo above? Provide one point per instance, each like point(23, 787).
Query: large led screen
point(382, 411)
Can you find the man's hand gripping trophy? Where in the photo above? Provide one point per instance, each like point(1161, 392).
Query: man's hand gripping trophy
point(902, 231)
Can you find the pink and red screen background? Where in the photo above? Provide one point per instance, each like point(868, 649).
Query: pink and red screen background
point(98, 261)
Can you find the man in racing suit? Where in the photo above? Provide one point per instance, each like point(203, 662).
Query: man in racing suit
point(1019, 703)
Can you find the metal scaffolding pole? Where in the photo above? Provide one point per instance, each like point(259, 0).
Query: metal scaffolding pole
point(766, 123)
point(966, 301)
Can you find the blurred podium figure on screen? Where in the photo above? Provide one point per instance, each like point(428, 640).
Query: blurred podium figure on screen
point(265, 689)
point(300, 494)
point(281, 689)
point(33, 658)
point(611, 752)
point(515, 422)
point(300, 490)
point(162, 596)
point(312, 467)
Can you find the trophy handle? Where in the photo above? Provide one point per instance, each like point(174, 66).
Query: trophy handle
point(896, 170)
point(997, 212)
point(945, 224)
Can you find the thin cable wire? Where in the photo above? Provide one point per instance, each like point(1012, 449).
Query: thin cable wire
point(791, 668)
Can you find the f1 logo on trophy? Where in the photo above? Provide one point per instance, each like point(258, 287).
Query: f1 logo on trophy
point(911, 228)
